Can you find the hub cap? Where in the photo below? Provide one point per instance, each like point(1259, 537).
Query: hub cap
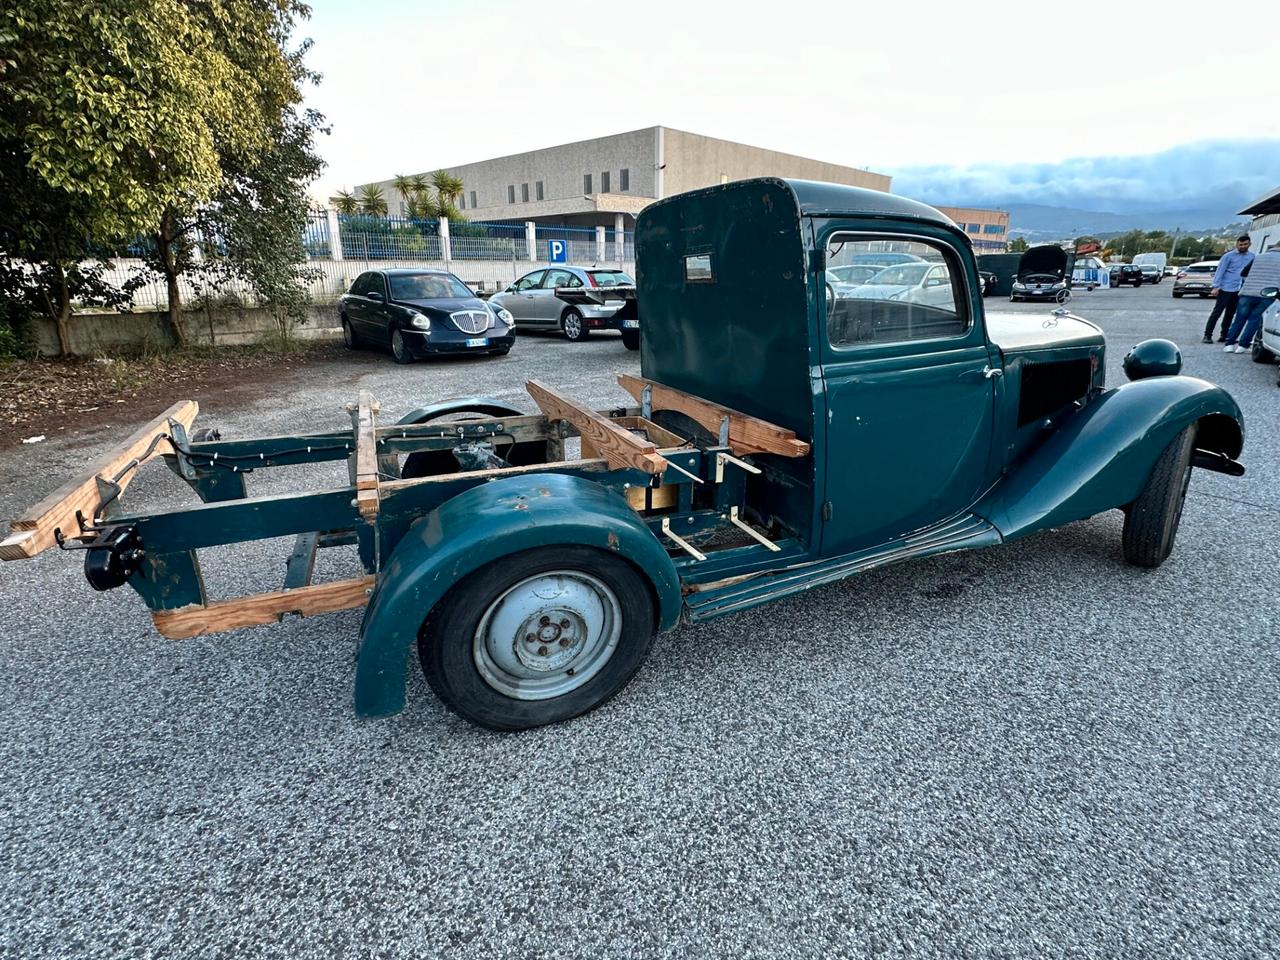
point(547, 635)
point(573, 326)
point(397, 344)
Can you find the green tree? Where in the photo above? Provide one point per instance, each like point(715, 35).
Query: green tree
point(372, 202)
point(346, 203)
point(1018, 245)
point(143, 113)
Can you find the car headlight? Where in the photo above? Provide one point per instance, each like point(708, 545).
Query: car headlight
point(501, 313)
point(419, 321)
point(1019, 285)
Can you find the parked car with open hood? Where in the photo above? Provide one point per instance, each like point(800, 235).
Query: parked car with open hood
point(417, 313)
point(1042, 275)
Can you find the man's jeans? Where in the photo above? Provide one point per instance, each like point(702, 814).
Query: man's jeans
point(1225, 307)
point(1248, 318)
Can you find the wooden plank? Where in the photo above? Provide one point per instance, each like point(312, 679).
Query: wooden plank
point(262, 608)
point(33, 531)
point(747, 434)
point(366, 482)
point(619, 447)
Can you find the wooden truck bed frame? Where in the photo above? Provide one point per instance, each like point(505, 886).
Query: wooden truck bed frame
point(654, 468)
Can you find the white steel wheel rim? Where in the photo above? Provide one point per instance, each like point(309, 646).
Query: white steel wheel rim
point(573, 326)
point(547, 635)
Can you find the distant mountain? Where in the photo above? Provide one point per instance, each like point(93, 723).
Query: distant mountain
point(1199, 187)
point(1040, 222)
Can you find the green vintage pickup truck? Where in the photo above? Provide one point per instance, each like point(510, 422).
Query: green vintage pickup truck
point(783, 435)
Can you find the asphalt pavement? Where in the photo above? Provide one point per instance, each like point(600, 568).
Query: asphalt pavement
point(1029, 751)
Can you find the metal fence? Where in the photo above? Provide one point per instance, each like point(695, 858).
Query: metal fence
point(487, 256)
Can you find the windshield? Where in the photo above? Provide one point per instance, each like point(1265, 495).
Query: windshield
point(428, 286)
point(908, 274)
point(1201, 269)
point(856, 273)
point(610, 278)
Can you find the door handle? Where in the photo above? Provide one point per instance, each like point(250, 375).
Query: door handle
point(991, 373)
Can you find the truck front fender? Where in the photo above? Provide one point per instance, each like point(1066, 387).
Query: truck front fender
point(476, 527)
point(1101, 457)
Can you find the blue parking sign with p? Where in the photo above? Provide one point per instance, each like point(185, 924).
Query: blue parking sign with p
point(557, 251)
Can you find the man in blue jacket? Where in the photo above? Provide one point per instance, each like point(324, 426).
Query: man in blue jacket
point(1226, 288)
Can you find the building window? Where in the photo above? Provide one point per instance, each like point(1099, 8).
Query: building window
point(537, 189)
point(586, 183)
point(473, 200)
point(604, 182)
point(993, 228)
point(624, 179)
point(524, 192)
point(975, 228)
point(511, 193)
point(463, 201)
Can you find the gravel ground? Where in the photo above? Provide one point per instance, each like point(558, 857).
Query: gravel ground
point(1029, 751)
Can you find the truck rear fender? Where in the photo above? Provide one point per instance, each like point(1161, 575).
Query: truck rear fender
point(1101, 457)
point(477, 527)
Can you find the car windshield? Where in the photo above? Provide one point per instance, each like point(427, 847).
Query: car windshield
point(1201, 269)
point(428, 286)
point(855, 273)
point(610, 278)
point(907, 274)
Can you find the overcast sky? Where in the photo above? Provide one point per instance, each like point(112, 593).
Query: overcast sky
point(412, 85)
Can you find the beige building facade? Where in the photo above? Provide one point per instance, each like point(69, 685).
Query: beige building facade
point(988, 229)
point(610, 179)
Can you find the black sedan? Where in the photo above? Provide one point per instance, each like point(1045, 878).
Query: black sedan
point(1122, 273)
point(418, 313)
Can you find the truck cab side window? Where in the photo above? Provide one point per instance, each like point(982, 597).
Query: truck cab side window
point(892, 290)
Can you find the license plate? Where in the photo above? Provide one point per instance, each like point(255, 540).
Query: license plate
point(478, 342)
point(1195, 286)
point(630, 324)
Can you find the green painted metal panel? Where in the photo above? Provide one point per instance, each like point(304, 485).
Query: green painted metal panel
point(1102, 456)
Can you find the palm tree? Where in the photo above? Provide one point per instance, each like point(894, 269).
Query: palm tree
point(372, 202)
point(346, 203)
point(405, 187)
point(448, 189)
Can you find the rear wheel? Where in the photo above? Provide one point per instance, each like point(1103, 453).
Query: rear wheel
point(348, 335)
point(537, 637)
point(1260, 353)
point(400, 349)
point(1151, 521)
point(574, 328)
point(631, 339)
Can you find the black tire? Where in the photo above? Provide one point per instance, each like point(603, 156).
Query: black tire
point(1177, 295)
point(349, 335)
point(631, 339)
point(447, 648)
point(1259, 353)
point(399, 349)
point(1151, 521)
point(574, 329)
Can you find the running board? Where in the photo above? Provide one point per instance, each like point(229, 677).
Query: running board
point(964, 532)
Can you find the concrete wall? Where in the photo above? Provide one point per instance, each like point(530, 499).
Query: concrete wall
point(694, 161)
point(105, 332)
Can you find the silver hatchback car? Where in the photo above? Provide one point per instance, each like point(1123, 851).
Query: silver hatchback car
point(575, 300)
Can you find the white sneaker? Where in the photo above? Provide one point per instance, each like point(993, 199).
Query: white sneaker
point(1239, 349)
point(1229, 348)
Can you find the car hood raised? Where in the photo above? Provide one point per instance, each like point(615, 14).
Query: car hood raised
point(1047, 260)
point(1014, 333)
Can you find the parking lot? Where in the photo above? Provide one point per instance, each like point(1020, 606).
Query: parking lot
point(1035, 750)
